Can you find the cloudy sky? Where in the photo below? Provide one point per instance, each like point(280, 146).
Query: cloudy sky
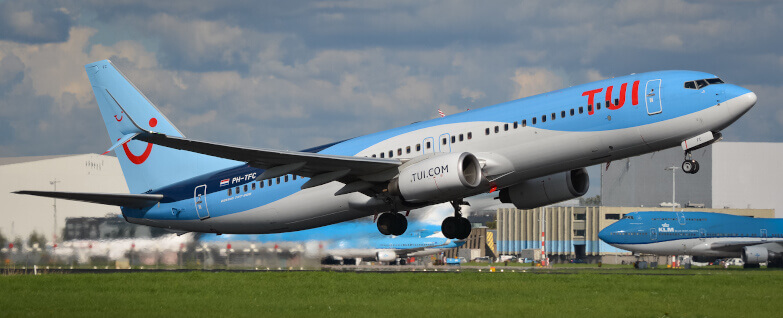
point(295, 74)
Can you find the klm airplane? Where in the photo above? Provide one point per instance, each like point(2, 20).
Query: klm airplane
point(348, 240)
point(706, 236)
point(532, 151)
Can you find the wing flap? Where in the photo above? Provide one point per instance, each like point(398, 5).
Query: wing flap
point(136, 201)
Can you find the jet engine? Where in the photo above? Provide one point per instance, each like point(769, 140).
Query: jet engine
point(437, 179)
point(547, 190)
point(754, 255)
point(386, 256)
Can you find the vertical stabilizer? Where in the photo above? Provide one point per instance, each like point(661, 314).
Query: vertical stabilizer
point(145, 166)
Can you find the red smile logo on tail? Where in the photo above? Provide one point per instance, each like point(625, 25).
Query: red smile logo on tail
point(143, 157)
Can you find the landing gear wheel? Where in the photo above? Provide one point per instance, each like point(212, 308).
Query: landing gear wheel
point(400, 224)
point(690, 166)
point(464, 229)
point(450, 227)
point(385, 223)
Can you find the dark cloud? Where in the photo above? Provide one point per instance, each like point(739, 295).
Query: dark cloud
point(11, 73)
point(33, 22)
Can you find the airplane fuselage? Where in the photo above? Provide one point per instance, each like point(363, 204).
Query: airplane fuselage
point(518, 140)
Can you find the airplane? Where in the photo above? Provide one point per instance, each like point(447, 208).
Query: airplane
point(532, 151)
point(706, 236)
point(348, 240)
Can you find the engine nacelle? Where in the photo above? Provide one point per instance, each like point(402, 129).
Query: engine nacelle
point(754, 255)
point(386, 256)
point(437, 179)
point(547, 189)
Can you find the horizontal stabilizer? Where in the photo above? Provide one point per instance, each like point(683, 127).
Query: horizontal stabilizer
point(136, 201)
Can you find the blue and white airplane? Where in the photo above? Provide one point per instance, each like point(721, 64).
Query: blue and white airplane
point(348, 240)
point(704, 235)
point(533, 150)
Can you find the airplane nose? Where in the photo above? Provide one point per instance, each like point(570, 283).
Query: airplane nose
point(604, 234)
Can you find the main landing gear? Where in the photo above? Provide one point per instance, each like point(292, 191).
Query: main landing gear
point(690, 165)
point(456, 227)
point(392, 223)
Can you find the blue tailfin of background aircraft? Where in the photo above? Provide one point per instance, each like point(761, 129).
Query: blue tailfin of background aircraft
point(125, 109)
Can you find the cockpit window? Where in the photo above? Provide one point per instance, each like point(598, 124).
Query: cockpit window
point(699, 84)
point(630, 217)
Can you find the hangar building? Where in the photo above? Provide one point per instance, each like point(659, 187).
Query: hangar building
point(23, 214)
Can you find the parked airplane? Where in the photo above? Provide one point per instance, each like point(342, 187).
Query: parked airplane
point(533, 150)
point(706, 236)
point(348, 240)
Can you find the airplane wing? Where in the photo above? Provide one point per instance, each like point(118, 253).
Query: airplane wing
point(733, 246)
point(356, 172)
point(137, 201)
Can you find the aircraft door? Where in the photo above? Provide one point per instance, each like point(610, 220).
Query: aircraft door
point(653, 234)
point(763, 234)
point(702, 234)
point(444, 143)
point(428, 145)
point(681, 218)
point(200, 199)
point(653, 97)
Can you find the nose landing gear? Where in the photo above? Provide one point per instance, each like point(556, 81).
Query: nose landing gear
point(456, 227)
point(689, 165)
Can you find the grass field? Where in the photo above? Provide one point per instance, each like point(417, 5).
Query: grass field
point(588, 293)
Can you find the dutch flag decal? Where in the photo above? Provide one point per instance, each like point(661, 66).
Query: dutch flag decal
point(223, 182)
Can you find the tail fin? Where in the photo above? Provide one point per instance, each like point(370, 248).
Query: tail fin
point(145, 166)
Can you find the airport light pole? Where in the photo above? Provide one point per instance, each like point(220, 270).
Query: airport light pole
point(673, 169)
point(54, 235)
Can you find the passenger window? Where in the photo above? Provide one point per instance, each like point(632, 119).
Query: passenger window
point(461, 137)
point(391, 154)
point(418, 147)
point(616, 101)
point(597, 107)
point(470, 135)
point(261, 184)
point(543, 119)
point(581, 110)
point(408, 149)
point(516, 125)
point(486, 131)
point(554, 116)
point(524, 123)
point(253, 186)
point(293, 177)
point(277, 180)
point(237, 190)
point(229, 191)
point(245, 188)
point(429, 145)
point(589, 108)
point(285, 179)
point(453, 139)
point(562, 114)
point(572, 111)
point(505, 127)
point(444, 140)
point(269, 182)
point(373, 155)
point(399, 151)
point(497, 129)
point(382, 155)
point(534, 121)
